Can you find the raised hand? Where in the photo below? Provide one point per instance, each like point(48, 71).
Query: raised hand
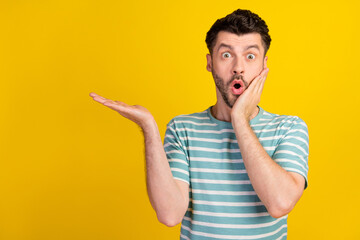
point(135, 113)
point(247, 102)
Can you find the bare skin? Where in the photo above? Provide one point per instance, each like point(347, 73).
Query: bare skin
point(169, 197)
point(278, 189)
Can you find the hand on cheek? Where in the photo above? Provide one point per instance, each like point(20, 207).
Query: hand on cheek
point(247, 102)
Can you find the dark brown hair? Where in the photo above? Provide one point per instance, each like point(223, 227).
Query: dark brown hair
point(239, 22)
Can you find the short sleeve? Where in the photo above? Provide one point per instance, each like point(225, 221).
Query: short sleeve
point(293, 149)
point(176, 153)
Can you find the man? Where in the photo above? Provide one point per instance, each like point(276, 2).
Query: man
point(234, 170)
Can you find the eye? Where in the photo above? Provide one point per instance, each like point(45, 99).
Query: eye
point(250, 56)
point(226, 55)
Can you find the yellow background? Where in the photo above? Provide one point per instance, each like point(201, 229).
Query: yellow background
point(71, 168)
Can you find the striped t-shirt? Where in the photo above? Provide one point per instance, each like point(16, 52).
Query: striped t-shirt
point(204, 152)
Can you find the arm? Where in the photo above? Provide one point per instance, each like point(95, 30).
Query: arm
point(277, 188)
point(168, 197)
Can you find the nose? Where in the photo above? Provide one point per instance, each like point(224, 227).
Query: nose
point(238, 67)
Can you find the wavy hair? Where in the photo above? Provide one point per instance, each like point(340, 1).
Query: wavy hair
point(239, 22)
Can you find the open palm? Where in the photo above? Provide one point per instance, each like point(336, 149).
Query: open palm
point(135, 113)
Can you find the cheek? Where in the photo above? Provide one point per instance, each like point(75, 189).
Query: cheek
point(250, 76)
point(220, 68)
point(253, 71)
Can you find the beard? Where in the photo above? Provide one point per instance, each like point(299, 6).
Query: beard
point(224, 88)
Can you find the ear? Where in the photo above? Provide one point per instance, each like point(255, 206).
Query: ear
point(265, 61)
point(209, 62)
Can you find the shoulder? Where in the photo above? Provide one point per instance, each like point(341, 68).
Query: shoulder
point(288, 121)
point(185, 120)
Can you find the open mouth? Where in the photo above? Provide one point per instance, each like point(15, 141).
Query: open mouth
point(237, 85)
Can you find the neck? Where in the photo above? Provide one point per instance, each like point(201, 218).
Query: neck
point(223, 113)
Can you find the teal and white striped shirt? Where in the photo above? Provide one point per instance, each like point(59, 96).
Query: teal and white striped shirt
point(204, 152)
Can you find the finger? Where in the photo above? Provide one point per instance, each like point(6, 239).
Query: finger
point(263, 75)
point(265, 65)
point(122, 104)
point(92, 94)
point(254, 83)
point(121, 107)
point(101, 100)
point(109, 103)
point(267, 71)
point(262, 83)
point(264, 72)
point(116, 106)
point(106, 101)
point(98, 98)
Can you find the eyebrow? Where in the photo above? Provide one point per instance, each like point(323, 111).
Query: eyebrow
point(224, 45)
point(246, 48)
point(252, 46)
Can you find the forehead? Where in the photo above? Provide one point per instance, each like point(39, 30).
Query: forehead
point(238, 42)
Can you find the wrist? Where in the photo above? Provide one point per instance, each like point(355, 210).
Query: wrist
point(244, 116)
point(239, 121)
point(149, 125)
point(239, 118)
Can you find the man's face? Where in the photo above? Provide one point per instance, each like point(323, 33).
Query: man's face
point(235, 62)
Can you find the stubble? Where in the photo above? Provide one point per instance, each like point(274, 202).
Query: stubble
point(224, 88)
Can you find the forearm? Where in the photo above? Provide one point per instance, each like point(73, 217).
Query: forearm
point(168, 198)
point(164, 193)
point(276, 188)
